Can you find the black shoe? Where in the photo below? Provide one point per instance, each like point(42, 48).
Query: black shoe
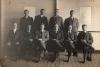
point(36, 61)
point(66, 55)
point(66, 60)
point(82, 61)
point(75, 55)
point(88, 59)
point(52, 59)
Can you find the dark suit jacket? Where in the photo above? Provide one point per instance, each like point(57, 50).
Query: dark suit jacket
point(85, 36)
point(38, 21)
point(28, 48)
point(70, 36)
point(55, 42)
point(42, 35)
point(29, 35)
point(15, 37)
point(39, 44)
point(74, 22)
point(59, 35)
point(55, 20)
point(24, 22)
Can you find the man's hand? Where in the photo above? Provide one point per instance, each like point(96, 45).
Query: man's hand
point(30, 39)
point(84, 41)
point(40, 39)
point(54, 39)
point(17, 43)
point(9, 44)
point(71, 42)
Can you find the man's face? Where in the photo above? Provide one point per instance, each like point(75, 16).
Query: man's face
point(42, 12)
point(70, 28)
point(26, 13)
point(42, 27)
point(57, 12)
point(72, 13)
point(84, 28)
point(15, 25)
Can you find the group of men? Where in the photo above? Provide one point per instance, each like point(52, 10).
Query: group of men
point(38, 36)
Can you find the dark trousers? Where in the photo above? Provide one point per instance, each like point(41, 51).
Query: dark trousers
point(53, 47)
point(87, 50)
point(70, 48)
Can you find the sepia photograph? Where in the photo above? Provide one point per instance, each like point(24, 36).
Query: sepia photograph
point(49, 33)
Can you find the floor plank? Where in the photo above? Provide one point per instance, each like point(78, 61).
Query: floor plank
point(58, 63)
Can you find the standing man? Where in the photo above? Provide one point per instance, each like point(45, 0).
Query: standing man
point(40, 19)
point(71, 21)
point(25, 21)
point(56, 19)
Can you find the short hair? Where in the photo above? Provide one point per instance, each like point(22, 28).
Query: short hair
point(84, 25)
point(41, 9)
point(42, 26)
point(71, 11)
point(26, 10)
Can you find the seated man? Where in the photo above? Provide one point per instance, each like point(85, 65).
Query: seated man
point(14, 41)
point(42, 36)
point(69, 42)
point(54, 44)
point(85, 41)
point(27, 48)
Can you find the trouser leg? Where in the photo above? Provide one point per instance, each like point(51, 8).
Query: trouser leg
point(89, 55)
point(84, 54)
point(69, 54)
point(74, 52)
